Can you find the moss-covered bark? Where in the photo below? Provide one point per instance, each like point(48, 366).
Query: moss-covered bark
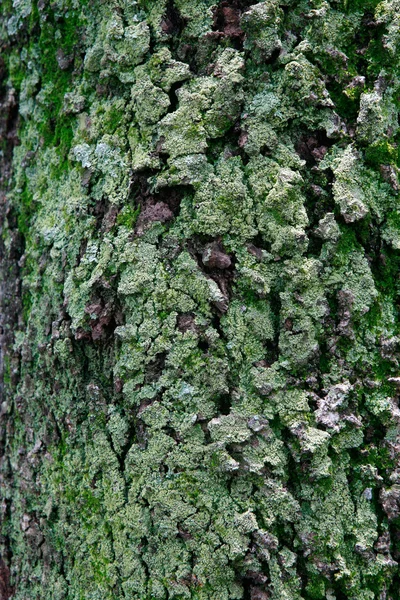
point(200, 261)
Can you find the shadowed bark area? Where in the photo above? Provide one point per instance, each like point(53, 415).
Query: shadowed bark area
point(199, 300)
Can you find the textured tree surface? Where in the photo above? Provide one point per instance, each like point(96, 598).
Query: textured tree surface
point(200, 258)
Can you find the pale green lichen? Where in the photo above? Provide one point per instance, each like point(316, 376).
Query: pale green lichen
point(206, 406)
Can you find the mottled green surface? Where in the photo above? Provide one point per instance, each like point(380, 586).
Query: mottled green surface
point(201, 398)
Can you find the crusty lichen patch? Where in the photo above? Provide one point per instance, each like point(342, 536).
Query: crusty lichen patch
point(207, 400)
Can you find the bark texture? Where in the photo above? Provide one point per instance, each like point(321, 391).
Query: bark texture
point(200, 257)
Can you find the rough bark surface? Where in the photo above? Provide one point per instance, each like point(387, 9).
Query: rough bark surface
point(200, 257)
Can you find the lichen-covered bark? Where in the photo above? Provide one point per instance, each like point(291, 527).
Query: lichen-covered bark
point(200, 257)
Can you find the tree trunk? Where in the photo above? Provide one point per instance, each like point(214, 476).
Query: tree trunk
point(200, 257)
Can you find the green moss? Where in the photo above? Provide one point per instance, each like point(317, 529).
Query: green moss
point(360, 5)
point(6, 371)
point(347, 243)
point(381, 153)
point(346, 102)
point(16, 70)
point(128, 217)
point(26, 305)
point(25, 210)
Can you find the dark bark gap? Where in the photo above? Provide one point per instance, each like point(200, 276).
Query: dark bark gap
point(172, 23)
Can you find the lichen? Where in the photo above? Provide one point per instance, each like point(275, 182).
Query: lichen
point(201, 393)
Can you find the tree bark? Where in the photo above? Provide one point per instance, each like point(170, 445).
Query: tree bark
point(199, 302)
